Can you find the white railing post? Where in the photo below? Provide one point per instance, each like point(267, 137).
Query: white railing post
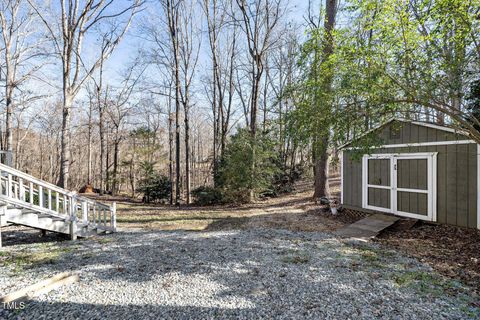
point(30, 187)
point(85, 212)
point(3, 212)
point(15, 190)
point(49, 199)
point(9, 186)
point(65, 208)
point(73, 219)
point(114, 216)
point(40, 196)
point(105, 217)
point(22, 189)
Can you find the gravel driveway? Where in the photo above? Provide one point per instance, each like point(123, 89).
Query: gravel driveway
point(248, 274)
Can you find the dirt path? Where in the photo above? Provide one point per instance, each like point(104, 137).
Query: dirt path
point(295, 212)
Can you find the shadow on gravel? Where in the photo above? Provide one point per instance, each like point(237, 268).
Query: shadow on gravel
point(252, 273)
point(41, 310)
point(14, 235)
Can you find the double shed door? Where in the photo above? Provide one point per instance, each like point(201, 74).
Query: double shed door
point(402, 184)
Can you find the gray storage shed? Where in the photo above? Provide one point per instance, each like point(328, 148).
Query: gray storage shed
point(420, 170)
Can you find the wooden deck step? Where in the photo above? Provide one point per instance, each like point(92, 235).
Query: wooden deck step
point(368, 227)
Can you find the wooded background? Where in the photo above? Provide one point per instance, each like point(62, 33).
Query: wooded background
point(226, 94)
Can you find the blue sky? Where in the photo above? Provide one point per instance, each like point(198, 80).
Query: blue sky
point(130, 45)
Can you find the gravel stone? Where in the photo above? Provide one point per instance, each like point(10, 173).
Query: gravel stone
point(248, 274)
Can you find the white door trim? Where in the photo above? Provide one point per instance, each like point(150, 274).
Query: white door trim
point(431, 191)
point(341, 176)
point(366, 185)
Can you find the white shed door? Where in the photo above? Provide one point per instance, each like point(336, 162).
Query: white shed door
point(402, 184)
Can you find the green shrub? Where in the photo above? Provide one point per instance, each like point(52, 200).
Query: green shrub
point(155, 187)
point(284, 181)
point(247, 167)
point(204, 196)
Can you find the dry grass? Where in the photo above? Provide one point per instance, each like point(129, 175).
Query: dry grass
point(453, 251)
point(294, 211)
point(28, 258)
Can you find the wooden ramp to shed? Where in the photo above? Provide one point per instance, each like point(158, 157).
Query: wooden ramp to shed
point(368, 227)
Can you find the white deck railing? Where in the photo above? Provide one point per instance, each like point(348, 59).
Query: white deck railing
point(21, 189)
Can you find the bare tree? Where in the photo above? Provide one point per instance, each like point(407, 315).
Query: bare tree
point(258, 21)
point(22, 44)
point(281, 76)
point(214, 25)
point(223, 67)
point(118, 110)
point(189, 46)
point(77, 18)
point(100, 101)
point(171, 8)
point(91, 107)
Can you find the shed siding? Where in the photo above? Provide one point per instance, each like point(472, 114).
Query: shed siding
point(456, 173)
point(352, 180)
point(412, 133)
point(472, 185)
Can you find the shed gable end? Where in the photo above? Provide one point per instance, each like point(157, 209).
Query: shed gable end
point(399, 132)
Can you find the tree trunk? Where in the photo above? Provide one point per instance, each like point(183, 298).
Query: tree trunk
point(65, 140)
point(116, 155)
point(101, 128)
point(170, 153)
point(231, 91)
point(89, 146)
point(177, 154)
point(214, 107)
point(187, 149)
point(102, 148)
point(320, 157)
point(9, 86)
point(108, 186)
point(257, 75)
point(9, 114)
point(133, 176)
point(320, 150)
point(173, 18)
